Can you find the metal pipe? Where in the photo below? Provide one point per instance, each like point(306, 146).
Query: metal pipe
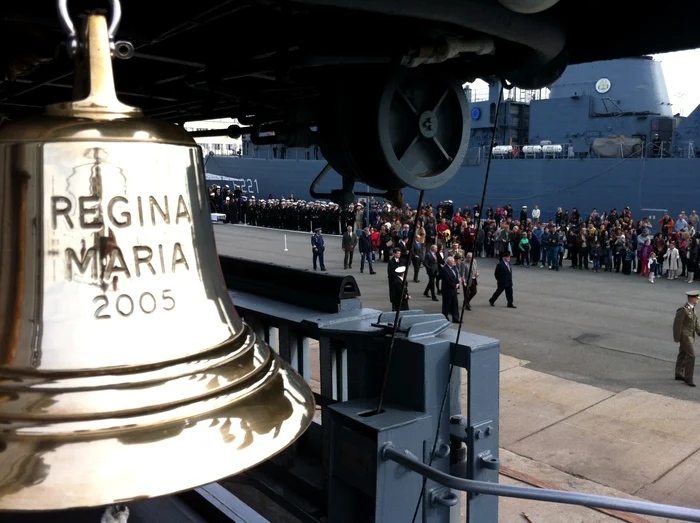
point(121, 93)
point(175, 108)
point(446, 49)
point(389, 453)
point(232, 131)
point(167, 60)
point(22, 105)
point(196, 22)
point(36, 86)
point(540, 34)
point(268, 68)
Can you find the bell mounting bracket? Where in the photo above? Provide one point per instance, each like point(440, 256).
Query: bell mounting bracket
point(120, 49)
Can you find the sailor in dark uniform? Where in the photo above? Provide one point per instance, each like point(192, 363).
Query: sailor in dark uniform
point(685, 327)
point(318, 248)
point(398, 296)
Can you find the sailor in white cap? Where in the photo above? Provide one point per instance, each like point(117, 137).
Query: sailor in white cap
point(523, 216)
point(396, 290)
point(685, 328)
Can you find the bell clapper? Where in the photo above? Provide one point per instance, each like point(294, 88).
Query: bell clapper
point(115, 514)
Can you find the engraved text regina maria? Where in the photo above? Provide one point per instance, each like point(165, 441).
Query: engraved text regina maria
point(120, 213)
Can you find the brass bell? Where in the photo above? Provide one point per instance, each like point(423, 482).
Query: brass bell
point(125, 372)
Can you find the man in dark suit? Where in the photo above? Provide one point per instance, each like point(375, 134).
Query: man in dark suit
point(349, 243)
point(366, 251)
point(450, 285)
point(394, 262)
point(431, 268)
point(504, 281)
point(417, 255)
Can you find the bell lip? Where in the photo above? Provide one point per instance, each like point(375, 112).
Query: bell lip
point(48, 128)
point(80, 409)
point(21, 380)
point(157, 416)
point(87, 476)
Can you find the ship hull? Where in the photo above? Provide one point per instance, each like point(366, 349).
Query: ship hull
point(649, 186)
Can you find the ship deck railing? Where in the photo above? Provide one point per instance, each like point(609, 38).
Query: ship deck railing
point(523, 96)
point(478, 155)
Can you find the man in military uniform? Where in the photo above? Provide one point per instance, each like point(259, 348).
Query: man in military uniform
point(318, 248)
point(685, 327)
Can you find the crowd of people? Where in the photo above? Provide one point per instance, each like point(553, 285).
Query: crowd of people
point(606, 241)
point(447, 242)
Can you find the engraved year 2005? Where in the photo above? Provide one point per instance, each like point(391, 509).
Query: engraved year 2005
point(126, 305)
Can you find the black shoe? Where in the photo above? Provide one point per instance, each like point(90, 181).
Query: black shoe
point(425, 294)
point(491, 303)
point(679, 378)
point(373, 272)
point(690, 384)
point(512, 306)
point(435, 299)
point(324, 270)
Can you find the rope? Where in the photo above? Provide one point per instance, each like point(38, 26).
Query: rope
point(464, 307)
point(401, 300)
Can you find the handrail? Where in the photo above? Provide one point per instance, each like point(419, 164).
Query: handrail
point(405, 458)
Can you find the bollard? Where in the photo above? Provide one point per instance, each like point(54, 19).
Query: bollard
point(285, 243)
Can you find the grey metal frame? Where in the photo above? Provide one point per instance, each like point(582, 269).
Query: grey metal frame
point(375, 466)
point(352, 352)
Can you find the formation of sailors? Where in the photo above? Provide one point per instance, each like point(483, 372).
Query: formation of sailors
point(277, 213)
